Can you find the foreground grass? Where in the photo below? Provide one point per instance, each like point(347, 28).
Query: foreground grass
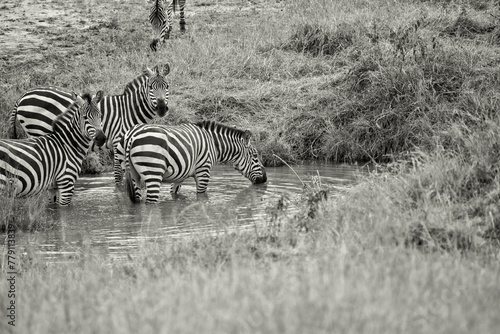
point(345, 272)
point(340, 81)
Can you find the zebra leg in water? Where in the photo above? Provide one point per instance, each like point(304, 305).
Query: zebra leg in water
point(132, 182)
point(201, 178)
point(152, 182)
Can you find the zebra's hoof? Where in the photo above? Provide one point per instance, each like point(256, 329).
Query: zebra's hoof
point(153, 45)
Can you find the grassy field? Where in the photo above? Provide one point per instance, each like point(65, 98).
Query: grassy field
point(411, 85)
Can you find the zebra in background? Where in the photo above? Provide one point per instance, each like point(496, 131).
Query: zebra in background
point(53, 161)
point(156, 153)
point(161, 20)
point(142, 99)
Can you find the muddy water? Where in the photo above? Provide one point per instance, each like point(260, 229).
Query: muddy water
point(102, 217)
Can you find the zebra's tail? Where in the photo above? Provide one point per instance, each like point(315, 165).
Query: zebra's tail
point(131, 174)
point(129, 185)
point(13, 121)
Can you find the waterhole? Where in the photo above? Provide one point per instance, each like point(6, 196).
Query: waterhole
point(102, 217)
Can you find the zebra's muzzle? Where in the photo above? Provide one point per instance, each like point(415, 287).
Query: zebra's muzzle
point(261, 179)
point(100, 138)
point(161, 107)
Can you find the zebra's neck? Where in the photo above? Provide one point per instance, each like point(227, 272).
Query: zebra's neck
point(224, 138)
point(68, 134)
point(134, 107)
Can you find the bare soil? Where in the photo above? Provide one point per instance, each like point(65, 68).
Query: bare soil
point(31, 29)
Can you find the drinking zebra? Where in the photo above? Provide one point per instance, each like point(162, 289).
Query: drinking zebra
point(156, 153)
point(53, 161)
point(161, 20)
point(143, 98)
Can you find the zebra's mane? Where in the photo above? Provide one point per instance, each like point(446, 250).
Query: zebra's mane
point(131, 85)
point(70, 112)
point(213, 126)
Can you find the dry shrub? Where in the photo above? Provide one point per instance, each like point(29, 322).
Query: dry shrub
point(92, 164)
point(435, 238)
point(305, 134)
point(466, 27)
point(318, 40)
point(224, 108)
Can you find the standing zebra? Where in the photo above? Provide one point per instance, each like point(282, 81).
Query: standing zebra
point(144, 97)
point(53, 161)
point(162, 22)
point(156, 153)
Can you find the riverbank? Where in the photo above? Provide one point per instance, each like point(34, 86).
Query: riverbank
point(341, 81)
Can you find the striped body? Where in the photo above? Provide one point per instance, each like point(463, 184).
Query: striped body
point(161, 20)
point(156, 153)
point(53, 161)
point(143, 98)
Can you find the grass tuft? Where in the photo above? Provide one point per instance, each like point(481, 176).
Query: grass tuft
point(319, 40)
point(467, 27)
point(23, 214)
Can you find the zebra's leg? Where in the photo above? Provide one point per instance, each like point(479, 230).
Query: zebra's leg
point(53, 193)
point(132, 182)
point(132, 188)
point(167, 27)
point(175, 188)
point(201, 178)
point(154, 44)
point(118, 161)
point(152, 190)
point(137, 192)
point(182, 21)
point(65, 192)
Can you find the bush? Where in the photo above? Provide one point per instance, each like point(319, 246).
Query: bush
point(318, 40)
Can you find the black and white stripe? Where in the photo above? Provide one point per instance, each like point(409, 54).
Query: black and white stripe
point(53, 161)
point(156, 153)
point(142, 99)
point(161, 20)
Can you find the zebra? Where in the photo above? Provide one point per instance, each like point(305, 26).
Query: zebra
point(53, 161)
point(142, 98)
point(156, 153)
point(161, 21)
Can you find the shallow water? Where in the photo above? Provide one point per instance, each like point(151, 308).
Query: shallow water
point(102, 217)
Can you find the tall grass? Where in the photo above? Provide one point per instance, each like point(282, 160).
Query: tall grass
point(23, 214)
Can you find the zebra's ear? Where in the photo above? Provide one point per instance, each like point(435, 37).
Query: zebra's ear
point(77, 98)
point(166, 69)
point(247, 135)
point(98, 97)
point(148, 71)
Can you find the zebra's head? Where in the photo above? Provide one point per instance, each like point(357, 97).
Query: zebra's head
point(90, 116)
point(158, 88)
point(248, 163)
